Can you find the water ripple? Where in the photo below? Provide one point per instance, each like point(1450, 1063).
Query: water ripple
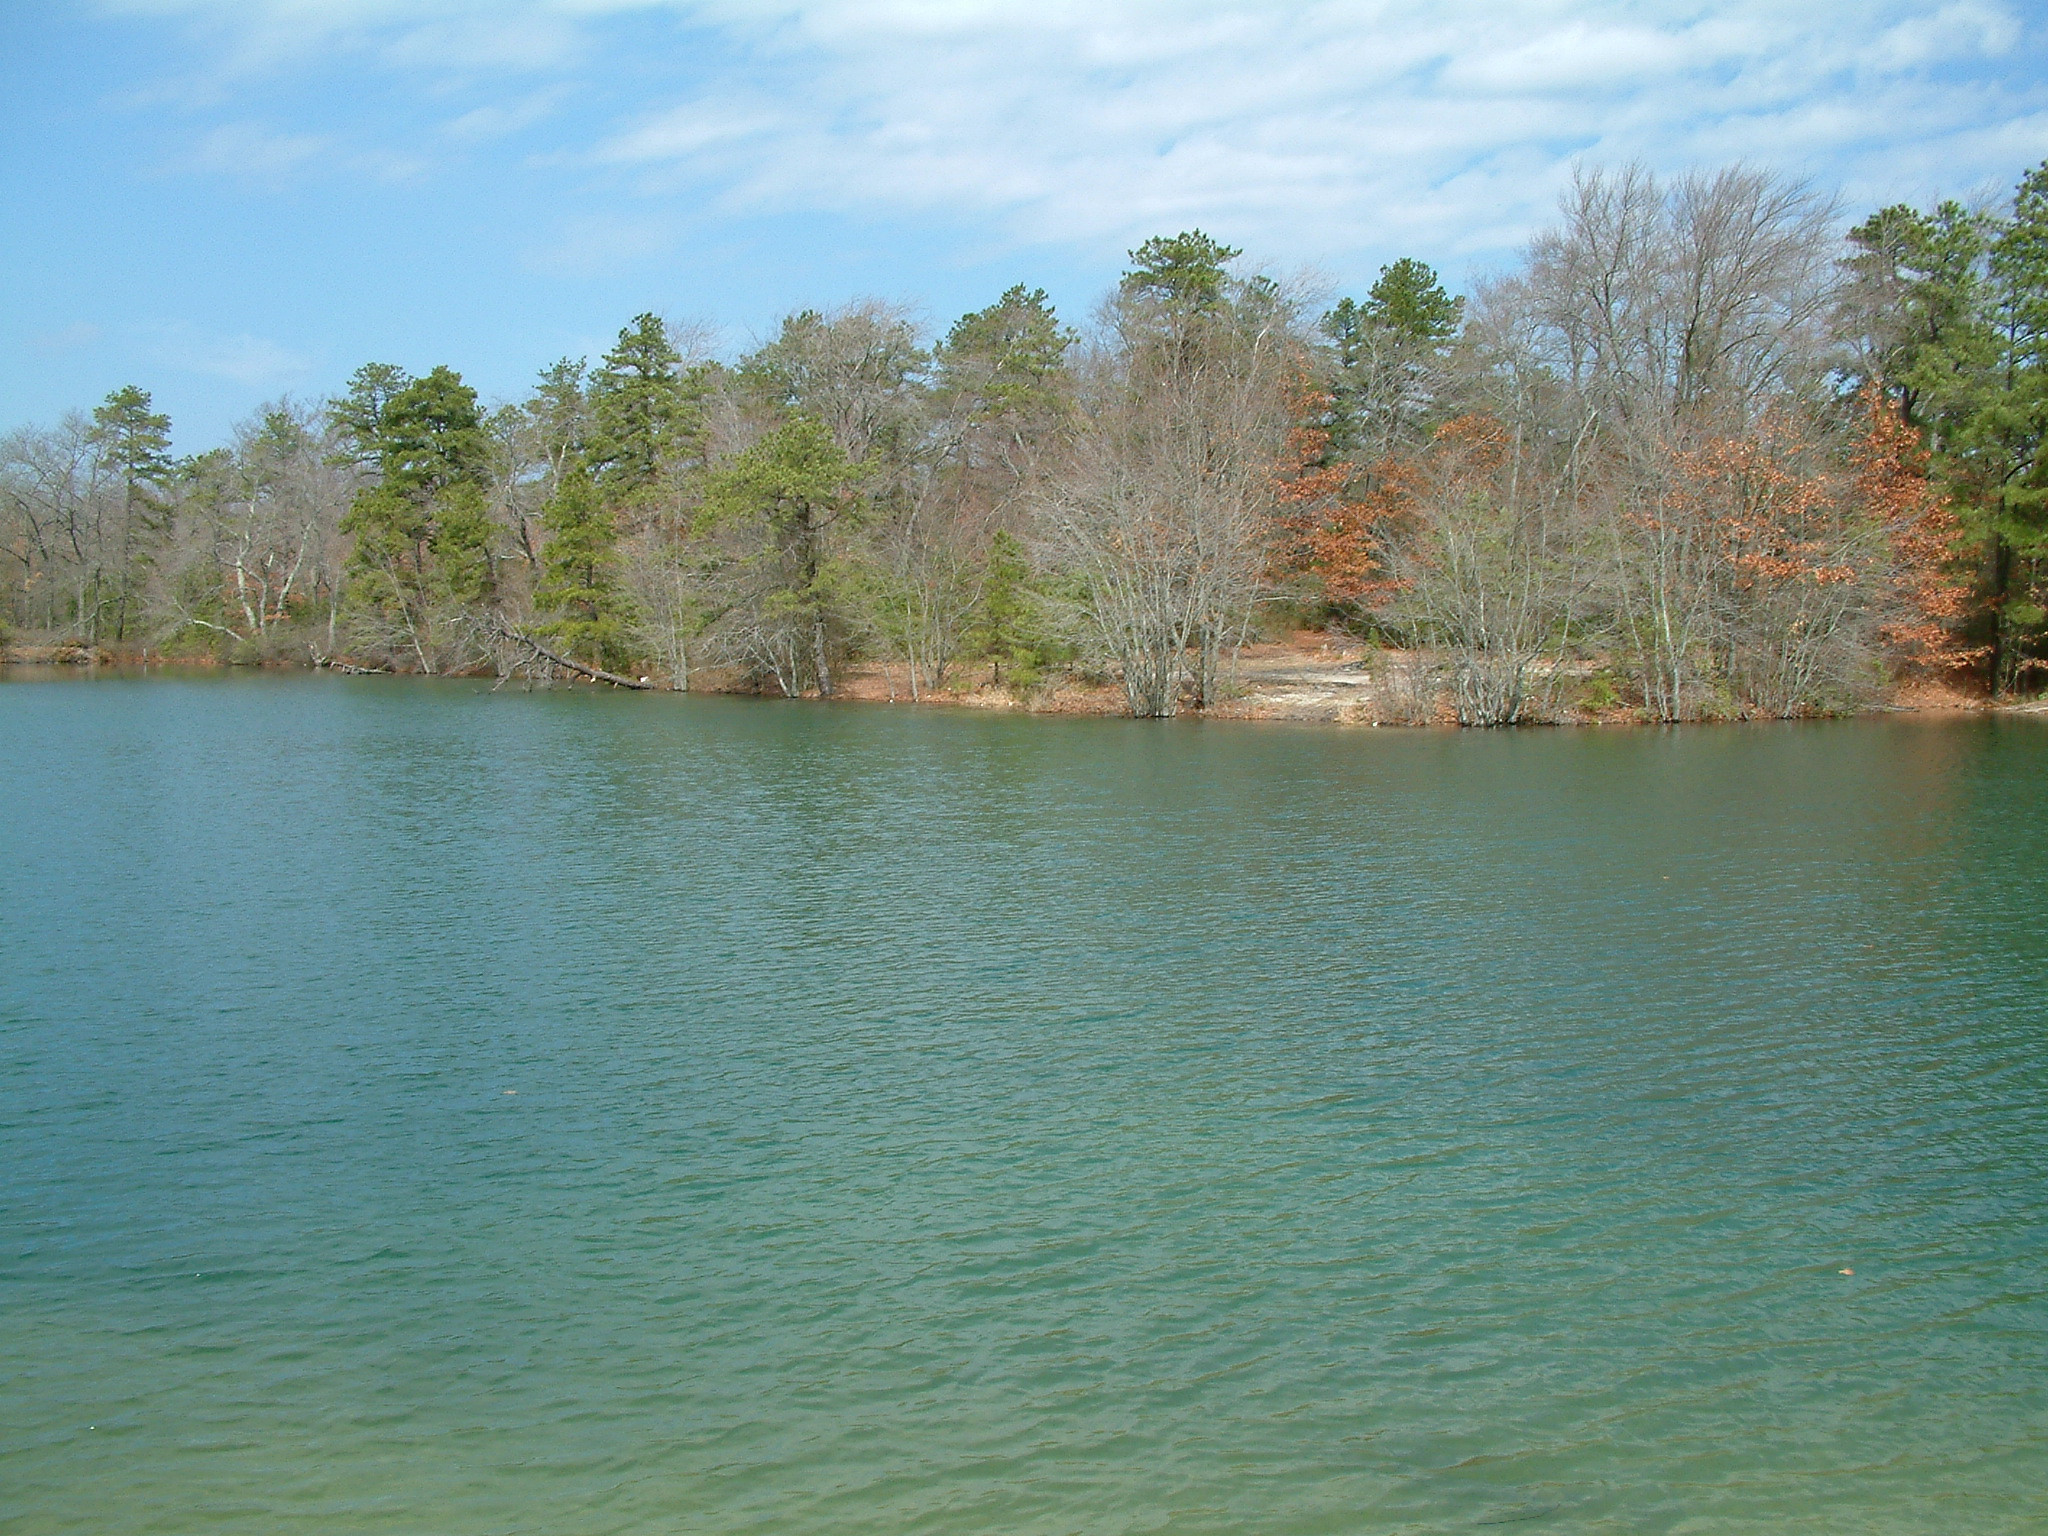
point(427, 1110)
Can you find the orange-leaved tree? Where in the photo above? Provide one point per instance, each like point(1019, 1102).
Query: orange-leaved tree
point(1332, 518)
point(1929, 577)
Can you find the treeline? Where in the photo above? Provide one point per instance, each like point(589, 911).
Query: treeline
point(1702, 453)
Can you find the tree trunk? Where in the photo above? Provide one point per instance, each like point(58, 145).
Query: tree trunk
point(568, 663)
point(818, 656)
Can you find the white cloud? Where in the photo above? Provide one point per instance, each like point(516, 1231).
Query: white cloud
point(498, 120)
point(74, 337)
point(1307, 129)
point(253, 151)
point(679, 133)
point(601, 245)
point(1953, 32)
point(1299, 130)
point(488, 39)
point(244, 359)
point(1574, 57)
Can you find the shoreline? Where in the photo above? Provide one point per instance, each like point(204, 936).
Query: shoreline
point(1306, 680)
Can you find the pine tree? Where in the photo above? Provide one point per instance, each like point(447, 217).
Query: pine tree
point(1349, 332)
point(1382, 355)
point(646, 413)
point(1009, 624)
point(432, 436)
point(1919, 289)
point(1007, 359)
point(798, 485)
point(1186, 272)
point(1408, 300)
point(1954, 310)
point(422, 529)
point(357, 414)
point(579, 573)
point(2005, 443)
point(134, 442)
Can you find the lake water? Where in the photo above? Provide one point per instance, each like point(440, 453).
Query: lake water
point(431, 1111)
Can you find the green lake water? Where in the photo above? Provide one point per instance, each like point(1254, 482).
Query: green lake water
point(433, 1111)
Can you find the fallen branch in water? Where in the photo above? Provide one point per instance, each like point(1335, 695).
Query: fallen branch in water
point(553, 657)
point(329, 664)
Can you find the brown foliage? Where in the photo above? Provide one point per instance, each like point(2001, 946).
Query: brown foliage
point(1890, 467)
point(1331, 519)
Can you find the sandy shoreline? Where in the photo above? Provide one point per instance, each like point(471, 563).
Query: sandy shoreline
point(1313, 678)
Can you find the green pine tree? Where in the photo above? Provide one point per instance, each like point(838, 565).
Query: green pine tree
point(1921, 285)
point(357, 414)
point(1381, 356)
point(134, 442)
point(1185, 272)
point(1954, 309)
point(1408, 300)
point(2005, 444)
point(797, 485)
point(1007, 358)
point(1009, 627)
point(579, 584)
point(646, 412)
point(422, 528)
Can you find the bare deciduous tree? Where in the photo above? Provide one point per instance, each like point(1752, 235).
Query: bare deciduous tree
point(261, 542)
point(54, 497)
point(1491, 568)
point(1686, 325)
point(1696, 304)
point(1162, 507)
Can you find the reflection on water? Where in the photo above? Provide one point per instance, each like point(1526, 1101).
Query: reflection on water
point(429, 1110)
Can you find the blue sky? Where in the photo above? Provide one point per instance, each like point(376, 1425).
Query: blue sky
point(228, 200)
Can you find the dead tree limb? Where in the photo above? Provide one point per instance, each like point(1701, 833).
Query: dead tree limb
point(331, 664)
point(541, 652)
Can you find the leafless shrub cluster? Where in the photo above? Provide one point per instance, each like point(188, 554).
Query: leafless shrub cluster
point(1161, 503)
point(1642, 457)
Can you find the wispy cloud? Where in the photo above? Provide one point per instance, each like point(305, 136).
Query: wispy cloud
point(252, 151)
point(1954, 31)
point(499, 120)
point(603, 245)
point(1302, 128)
point(74, 337)
point(1298, 127)
point(254, 361)
point(683, 132)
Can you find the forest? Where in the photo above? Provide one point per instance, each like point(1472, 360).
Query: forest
point(1705, 451)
